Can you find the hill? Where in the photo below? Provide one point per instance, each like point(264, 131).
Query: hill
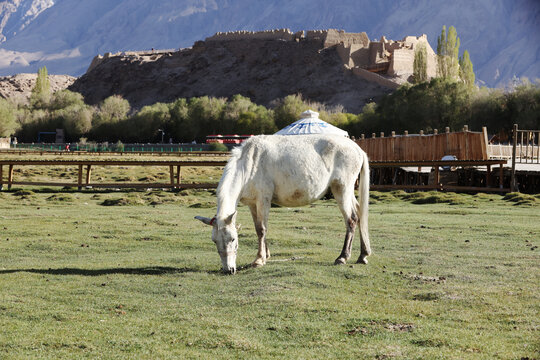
point(20, 86)
point(263, 69)
point(501, 35)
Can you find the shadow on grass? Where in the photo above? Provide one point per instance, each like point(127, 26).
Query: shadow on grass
point(153, 270)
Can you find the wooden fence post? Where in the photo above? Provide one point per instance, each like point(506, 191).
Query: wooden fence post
point(171, 173)
point(513, 185)
point(88, 173)
point(10, 176)
point(485, 146)
point(79, 179)
point(1, 177)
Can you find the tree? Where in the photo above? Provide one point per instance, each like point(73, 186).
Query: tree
point(8, 123)
point(108, 121)
point(112, 109)
point(41, 92)
point(420, 64)
point(144, 125)
point(466, 72)
point(288, 110)
point(65, 98)
point(447, 54)
point(206, 116)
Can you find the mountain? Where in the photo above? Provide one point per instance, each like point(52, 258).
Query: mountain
point(16, 14)
point(502, 36)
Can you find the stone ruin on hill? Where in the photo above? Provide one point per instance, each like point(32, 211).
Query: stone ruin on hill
point(368, 59)
point(330, 67)
point(386, 62)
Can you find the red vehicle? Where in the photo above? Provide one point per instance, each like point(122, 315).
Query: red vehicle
point(227, 139)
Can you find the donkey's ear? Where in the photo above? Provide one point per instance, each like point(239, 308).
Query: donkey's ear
point(231, 218)
point(207, 221)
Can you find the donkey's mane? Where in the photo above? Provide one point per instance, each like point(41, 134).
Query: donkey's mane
point(231, 170)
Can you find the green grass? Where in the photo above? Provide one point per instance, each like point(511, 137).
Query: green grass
point(452, 277)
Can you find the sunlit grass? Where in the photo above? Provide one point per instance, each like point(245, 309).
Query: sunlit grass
point(455, 277)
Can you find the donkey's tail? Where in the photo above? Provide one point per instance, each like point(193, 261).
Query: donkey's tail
point(363, 201)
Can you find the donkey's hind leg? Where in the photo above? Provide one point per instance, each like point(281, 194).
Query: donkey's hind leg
point(347, 204)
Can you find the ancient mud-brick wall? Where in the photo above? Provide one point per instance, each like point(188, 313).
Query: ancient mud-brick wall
point(359, 55)
point(280, 34)
point(317, 35)
point(334, 37)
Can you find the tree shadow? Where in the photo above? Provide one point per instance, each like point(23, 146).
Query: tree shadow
point(149, 270)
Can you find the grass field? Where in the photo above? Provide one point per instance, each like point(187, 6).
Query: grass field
point(452, 277)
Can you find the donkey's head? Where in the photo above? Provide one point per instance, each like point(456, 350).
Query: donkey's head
point(225, 236)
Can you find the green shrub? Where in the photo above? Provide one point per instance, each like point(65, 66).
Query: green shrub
point(218, 147)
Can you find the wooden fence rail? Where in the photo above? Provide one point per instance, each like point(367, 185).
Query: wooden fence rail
point(114, 153)
point(86, 165)
point(85, 170)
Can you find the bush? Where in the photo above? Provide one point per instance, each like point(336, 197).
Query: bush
point(218, 147)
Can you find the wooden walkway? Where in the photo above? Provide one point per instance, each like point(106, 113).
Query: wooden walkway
point(85, 168)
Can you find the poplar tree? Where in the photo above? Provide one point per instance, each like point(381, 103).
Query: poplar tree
point(466, 72)
point(420, 64)
point(41, 92)
point(447, 54)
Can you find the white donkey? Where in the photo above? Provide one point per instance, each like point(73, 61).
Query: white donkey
point(290, 171)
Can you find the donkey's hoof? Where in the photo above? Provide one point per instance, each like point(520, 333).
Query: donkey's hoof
point(340, 261)
point(362, 260)
point(257, 264)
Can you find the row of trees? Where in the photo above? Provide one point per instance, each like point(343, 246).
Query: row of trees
point(449, 65)
point(183, 120)
point(441, 103)
point(429, 105)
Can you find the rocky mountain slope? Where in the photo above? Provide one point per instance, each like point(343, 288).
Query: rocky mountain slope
point(263, 70)
point(15, 15)
point(502, 36)
point(19, 87)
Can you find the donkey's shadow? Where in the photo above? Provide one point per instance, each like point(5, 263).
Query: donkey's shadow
point(147, 270)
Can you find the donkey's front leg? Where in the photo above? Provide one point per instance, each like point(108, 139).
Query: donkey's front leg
point(259, 219)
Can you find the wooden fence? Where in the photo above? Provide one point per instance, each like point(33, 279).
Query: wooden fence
point(525, 150)
point(464, 145)
point(174, 183)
